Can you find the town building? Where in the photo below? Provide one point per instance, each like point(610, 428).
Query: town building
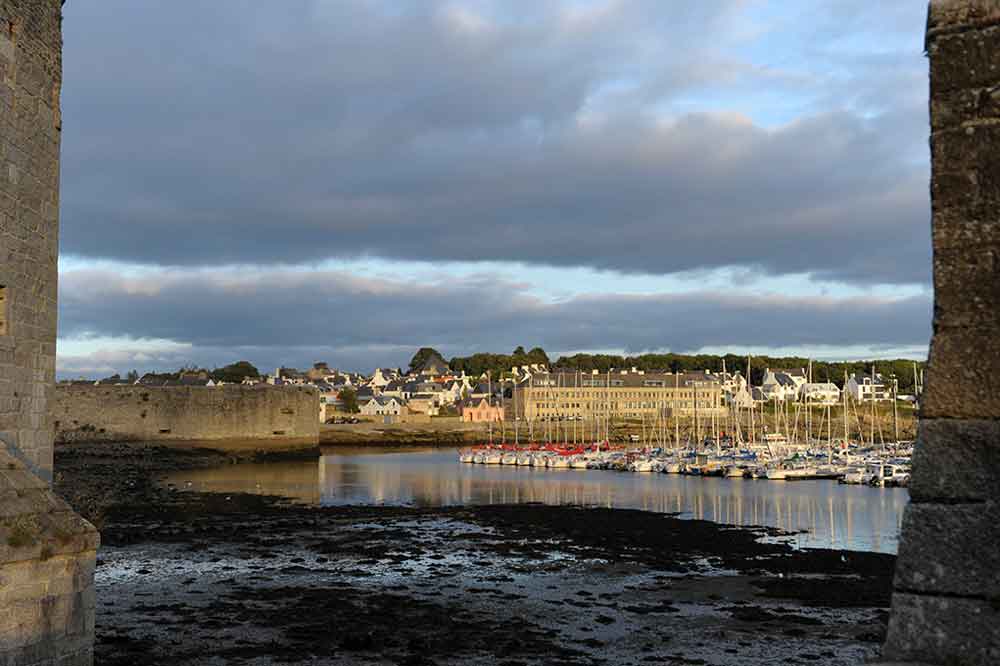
point(480, 411)
point(382, 377)
point(626, 394)
point(423, 403)
point(820, 393)
point(864, 388)
point(382, 406)
point(781, 385)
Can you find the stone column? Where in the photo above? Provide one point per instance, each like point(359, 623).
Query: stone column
point(47, 552)
point(946, 603)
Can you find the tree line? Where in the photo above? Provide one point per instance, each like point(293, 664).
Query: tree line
point(234, 373)
point(822, 371)
point(498, 364)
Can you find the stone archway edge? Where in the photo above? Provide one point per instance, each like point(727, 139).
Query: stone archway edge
point(946, 601)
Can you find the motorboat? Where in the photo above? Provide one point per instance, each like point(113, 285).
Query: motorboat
point(644, 465)
point(735, 472)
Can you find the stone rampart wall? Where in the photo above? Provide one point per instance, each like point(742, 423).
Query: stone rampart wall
point(47, 552)
point(946, 604)
point(30, 77)
point(281, 414)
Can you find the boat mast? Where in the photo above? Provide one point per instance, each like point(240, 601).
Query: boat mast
point(576, 388)
point(895, 413)
point(729, 413)
point(873, 410)
point(846, 444)
point(531, 420)
point(714, 397)
point(548, 403)
point(750, 407)
point(808, 406)
point(503, 421)
point(560, 427)
point(607, 410)
point(697, 420)
point(676, 413)
point(829, 421)
point(489, 405)
point(516, 443)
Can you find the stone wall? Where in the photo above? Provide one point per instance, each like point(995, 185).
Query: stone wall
point(47, 552)
point(287, 414)
point(47, 558)
point(946, 605)
point(30, 78)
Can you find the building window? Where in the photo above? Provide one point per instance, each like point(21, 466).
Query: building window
point(4, 327)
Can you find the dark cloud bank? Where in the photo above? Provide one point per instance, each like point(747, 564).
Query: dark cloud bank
point(206, 133)
point(285, 317)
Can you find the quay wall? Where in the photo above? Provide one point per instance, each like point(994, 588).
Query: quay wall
point(47, 552)
point(285, 414)
point(946, 599)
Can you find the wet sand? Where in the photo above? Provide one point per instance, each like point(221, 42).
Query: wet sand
point(201, 578)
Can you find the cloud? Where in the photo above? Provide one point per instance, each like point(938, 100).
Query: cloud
point(284, 316)
point(613, 135)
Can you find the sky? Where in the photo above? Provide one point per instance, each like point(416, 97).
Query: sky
point(348, 180)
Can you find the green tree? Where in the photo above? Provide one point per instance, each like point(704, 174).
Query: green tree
point(498, 365)
point(423, 355)
point(234, 373)
point(132, 376)
point(349, 400)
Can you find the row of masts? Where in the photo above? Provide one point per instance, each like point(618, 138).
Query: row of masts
point(598, 429)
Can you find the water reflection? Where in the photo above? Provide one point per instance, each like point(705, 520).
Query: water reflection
point(835, 516)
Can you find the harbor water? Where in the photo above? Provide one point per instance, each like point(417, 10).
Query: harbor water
point(824, 513)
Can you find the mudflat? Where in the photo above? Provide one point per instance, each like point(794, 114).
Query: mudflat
point(201, 578)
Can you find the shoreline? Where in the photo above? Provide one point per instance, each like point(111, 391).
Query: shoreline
point(245, 577)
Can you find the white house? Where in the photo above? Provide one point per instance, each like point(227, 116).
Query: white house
point(453, 390)
point(820, 393)
point(862, 388)
point(779, 385)
point(382, 376)
point(380, 406)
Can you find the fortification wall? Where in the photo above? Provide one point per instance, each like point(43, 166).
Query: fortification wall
point(47, 552)
point(286, 414)
point(30, 78)
point(946, 603)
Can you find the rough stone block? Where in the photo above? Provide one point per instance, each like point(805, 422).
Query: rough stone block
point(966, 180)
point(949, 549)
point(963, 376)
point(955, 460)
point(951, 109)
point(964, 59)
point(967, 285)
point(960, 227)
point(944, 630)
point(945, 14)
